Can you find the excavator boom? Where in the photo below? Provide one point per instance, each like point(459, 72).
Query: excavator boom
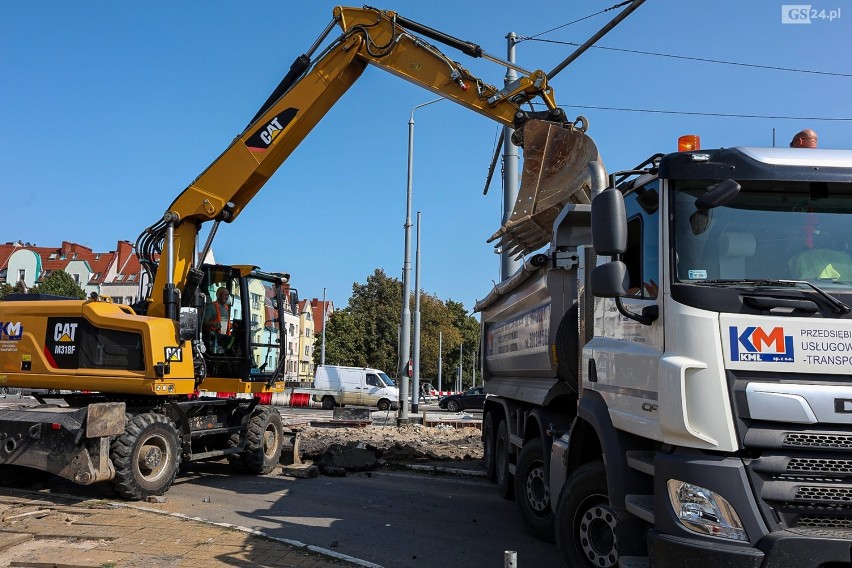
point(369, 36)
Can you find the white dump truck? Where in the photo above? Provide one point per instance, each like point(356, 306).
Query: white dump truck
point(669, 371)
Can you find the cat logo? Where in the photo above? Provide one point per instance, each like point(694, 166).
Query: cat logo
point(262, 139)
point(65, 332)
point(174, 354)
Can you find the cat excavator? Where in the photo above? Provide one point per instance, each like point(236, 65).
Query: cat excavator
point(136, 371)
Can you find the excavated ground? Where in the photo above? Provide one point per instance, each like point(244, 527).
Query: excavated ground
point(404, 443)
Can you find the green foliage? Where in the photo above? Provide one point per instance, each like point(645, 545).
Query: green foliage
point(60, 283)
point(5, 289)
point(365, 333)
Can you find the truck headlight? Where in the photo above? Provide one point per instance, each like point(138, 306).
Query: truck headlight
point(705, 512)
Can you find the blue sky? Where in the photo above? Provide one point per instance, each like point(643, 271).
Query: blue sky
point(109, 109)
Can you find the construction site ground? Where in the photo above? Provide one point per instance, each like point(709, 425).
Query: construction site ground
point(41, 528)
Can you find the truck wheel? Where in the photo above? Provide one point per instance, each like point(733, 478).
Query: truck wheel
point(146, 457)
point(567, 344)
point(505, 487)
point(327, 402)
point(383, 405)
point(586, 525)
point(532, 491)
point(264, 440)
point(453, 406)
point(488, 445)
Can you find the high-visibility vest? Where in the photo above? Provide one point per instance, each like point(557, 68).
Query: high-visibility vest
point(220, 311)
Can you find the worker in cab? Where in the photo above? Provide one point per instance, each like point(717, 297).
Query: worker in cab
point(217, 322)
point(824, 258)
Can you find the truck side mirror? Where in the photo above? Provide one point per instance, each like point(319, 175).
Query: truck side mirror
point(609, 223)
point(610, 280)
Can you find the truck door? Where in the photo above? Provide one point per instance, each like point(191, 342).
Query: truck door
point(264, 327)
point(630, 351)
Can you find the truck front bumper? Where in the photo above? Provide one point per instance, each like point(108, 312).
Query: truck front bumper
point(782, 549)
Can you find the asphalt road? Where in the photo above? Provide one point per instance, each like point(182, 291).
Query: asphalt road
point(390, 518)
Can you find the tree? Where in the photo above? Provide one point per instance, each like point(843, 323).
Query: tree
point(5, 289)
point(60, 283)
point(366, 332)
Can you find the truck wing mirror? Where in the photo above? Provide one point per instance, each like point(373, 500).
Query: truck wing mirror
point(610, 280)
point(609, 223)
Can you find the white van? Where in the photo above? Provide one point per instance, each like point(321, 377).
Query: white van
point(355, 385)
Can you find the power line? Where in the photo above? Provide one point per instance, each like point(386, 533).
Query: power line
point(658, 111)
point(619, 5)
point(701, 59)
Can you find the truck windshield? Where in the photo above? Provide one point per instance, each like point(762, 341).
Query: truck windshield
point(770, 231)
point(387, 380)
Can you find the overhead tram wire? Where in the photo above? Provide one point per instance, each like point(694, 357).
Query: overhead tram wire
point(717, 114)
point(700, 59)
point(634, 4)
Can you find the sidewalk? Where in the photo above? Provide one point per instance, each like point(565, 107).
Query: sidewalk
point(39, 530)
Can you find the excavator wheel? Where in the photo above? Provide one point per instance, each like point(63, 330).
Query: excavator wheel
point(146, 457)
point(264, 441)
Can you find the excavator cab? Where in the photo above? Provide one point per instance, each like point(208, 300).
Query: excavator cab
point(242, 324)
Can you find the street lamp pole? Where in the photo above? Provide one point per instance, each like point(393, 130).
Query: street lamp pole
point(405, 328)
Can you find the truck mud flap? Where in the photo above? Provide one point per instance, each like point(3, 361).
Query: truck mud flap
point(72, 443)
point(555, 173)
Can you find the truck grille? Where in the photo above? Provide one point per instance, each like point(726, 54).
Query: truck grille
point(796, 440)
point(805, 476)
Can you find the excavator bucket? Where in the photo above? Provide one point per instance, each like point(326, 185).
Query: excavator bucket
point(555, 173)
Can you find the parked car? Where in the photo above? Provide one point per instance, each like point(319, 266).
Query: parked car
point(471, 398)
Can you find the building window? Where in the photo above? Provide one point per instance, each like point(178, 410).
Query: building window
point(128, 300)
point(116, 299)
point(22, 274)
point(255, 301)
point(77, 279)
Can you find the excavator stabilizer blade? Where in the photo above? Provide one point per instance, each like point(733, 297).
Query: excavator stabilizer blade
point(555, 173)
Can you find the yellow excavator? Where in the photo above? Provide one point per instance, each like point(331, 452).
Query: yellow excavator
point(135, 370)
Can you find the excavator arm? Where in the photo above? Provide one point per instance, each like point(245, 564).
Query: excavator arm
point(369, 36)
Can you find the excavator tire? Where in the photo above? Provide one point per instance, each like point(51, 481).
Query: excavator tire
point(264, 440)
point(146, 457)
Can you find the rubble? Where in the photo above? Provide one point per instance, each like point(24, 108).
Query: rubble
point(336, 450)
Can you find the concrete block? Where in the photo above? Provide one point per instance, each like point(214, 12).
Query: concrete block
point(300, 471)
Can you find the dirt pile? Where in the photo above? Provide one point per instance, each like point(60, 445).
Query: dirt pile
point(391, 443)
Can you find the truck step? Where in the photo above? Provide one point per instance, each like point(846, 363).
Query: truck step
point(633, 562)
point(641, 505)
point(641, 461)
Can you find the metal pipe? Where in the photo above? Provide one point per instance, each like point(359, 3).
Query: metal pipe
point(415, 387)
point(508, 264)
point(405, 328)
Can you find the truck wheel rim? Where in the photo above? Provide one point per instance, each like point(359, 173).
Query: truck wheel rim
point(153, 458)
point(596, 532)
point(538, 493)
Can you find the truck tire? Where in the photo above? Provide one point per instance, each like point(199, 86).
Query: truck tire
point(383, 405)
point(327, 402)
point(488, 445)
point(532, 491)
point(586, 525)
point(505, 487)
point(264, 440)
point(146, 457)
point(567, 345)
